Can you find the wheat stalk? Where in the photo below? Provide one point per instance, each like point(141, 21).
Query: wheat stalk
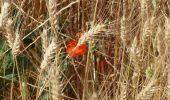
point(55, 82)
point(4, 12)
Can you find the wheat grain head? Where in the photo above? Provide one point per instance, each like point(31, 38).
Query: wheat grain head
point(49, 55)
point(4, 12)
point(16, 45)
point(9, 33)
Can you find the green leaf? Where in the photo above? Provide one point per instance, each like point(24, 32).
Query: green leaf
point(66, 65)
point(45, 96)
point(149, 72)
point(10, 77)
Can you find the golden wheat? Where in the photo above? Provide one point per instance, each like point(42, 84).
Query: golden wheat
point(167, 39)
point(160, 42)
point(49, 55)
point(4, 12)
point(93, 31)
point(44, 39)
point(52, 8)
point(16, 45)
point(10, 35)
point(55, 82)
point(124, 31)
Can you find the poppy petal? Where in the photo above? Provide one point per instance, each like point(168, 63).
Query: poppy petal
point(74, 51)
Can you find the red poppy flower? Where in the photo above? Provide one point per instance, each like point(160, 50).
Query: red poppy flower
point(75, 50)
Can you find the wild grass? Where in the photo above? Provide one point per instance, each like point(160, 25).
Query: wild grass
point(127, 54)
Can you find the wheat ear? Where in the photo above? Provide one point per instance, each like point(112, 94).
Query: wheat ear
point(123, 92)
point(9, 33)
point(124, 31)
point(134, 56)
point(147, 91)
point(56, 82)
point(147, 36)
point(49, 55)
point(160, 42)
point(44, 40)
point(4, 12)
point(145, 8)
point(16, 45)
point(94, 30)
point(167, 39)
point(14, 40)
point(52, 9)
point(93, 96)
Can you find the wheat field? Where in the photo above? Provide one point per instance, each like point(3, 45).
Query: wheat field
point(84, 50)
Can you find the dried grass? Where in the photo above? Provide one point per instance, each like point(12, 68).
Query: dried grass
point(127, 56)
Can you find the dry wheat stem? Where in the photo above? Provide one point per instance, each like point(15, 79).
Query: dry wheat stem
point(66, 7)
point(43, 23)
point(54, 81)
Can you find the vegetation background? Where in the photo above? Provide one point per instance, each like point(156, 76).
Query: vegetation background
point(85, 50)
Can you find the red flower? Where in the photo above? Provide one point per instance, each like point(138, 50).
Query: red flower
point(75, 50)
